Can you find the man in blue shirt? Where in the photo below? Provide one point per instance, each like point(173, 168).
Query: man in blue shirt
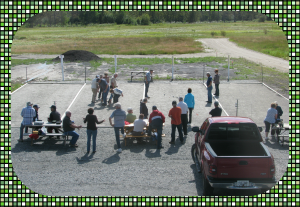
point(27, 113)
point(209, 87)
point(147, 82)
point(119, 116)
point(105, 88)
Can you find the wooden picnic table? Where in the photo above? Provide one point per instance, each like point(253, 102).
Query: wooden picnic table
point(128, 129)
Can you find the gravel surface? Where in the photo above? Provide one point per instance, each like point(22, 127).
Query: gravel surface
point(50, 168)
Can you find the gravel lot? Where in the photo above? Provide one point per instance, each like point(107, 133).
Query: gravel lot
point(50, 168)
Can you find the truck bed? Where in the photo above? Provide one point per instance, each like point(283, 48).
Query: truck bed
point(237, 148)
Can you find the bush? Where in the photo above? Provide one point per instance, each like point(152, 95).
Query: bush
point(262, 18)
point(265, 31)
point(213, 34)
point(145, 19)
point(223, 33)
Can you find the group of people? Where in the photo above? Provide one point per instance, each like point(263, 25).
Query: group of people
point(102, 85)
point(273, 116)
point(180, 113)
point(209, 83)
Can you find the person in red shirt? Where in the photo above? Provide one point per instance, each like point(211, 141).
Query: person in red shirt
point(156, 120)
point(175, 115)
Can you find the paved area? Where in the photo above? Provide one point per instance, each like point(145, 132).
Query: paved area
point(50, 168)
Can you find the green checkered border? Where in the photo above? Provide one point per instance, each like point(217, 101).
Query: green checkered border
point(15, 13)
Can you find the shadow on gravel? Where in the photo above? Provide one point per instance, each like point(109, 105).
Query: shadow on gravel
point(112, 159)
point(150, 154)
point(275, 145)
point(197, 180)
point(173, 149)
point(40, 146)
point(85, 158)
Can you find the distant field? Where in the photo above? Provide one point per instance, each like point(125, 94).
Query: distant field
point(175, 38)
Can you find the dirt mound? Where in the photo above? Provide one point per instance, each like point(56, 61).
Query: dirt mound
point(78, 55)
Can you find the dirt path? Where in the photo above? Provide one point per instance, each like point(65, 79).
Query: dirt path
point(214, 46)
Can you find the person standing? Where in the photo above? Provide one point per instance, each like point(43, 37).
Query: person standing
point(113, 85)
point(144, 108)
point(190, 101)
point(278, 120)
point(216, 111)
point(54, 117)
point(100, 91)
point(119, 116)
point(184, 112)
point(217, 82)
point(209, 87)
point(156, 121)
point(270, 119)
point(130, 117)
point(147, 82)
point(27, 113)
point(95, 88)
point(175, 115)
point(91, 128)
point(105, 88)
point(279, 110)
point(69, 129)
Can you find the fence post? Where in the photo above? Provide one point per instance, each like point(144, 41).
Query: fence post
point(26, 75)
point(262, 74)
point(85, 74)
point(203, 73)
point(237, 106)
point(228, 67)
point(172, 67)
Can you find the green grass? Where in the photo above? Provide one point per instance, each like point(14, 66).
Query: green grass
point(15, 86)
point(164, 38)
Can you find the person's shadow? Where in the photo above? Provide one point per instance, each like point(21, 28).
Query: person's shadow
point(85, 158)
point(112, 159)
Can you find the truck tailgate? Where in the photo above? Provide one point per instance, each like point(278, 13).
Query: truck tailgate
point(243, 167)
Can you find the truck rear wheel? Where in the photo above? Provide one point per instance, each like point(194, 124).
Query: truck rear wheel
point(195, 158)
point(207, 189)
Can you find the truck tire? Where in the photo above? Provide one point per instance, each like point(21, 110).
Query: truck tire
point(207, 189)
point(194, 156)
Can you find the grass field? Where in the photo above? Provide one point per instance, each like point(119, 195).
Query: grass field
point(175, 38)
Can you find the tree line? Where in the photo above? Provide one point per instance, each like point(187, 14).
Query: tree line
point(64, 18)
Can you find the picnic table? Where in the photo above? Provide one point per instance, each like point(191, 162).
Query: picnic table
point(128, 129)
point(38, 125)
point(281, 129)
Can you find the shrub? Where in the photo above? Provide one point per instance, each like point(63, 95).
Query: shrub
point(265, 31)
point(213, 33)
point(223, 33)
point(262, 18)
point(145, 19)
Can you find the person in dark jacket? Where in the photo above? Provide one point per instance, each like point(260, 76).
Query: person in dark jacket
point(217, 82)
point(143, 108)
point(216, 111)
point(91, 128)
point(54, 117)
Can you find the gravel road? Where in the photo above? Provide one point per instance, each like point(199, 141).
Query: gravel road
point(50, 168)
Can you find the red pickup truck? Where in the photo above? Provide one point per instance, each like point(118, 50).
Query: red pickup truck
point(230, 154)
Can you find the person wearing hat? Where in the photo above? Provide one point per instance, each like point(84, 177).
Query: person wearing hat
point(144, 108)
point(119, 116)
point(156, 120)
point(54, 117)
point(130, 117)
point(147, 82)
point(27, 113)
point(216, 111)
point(95, 88)
point(209, 87)
point(175, 115)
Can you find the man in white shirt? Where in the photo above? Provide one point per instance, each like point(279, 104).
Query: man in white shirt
point(95, 88)
point(138, 128)
point(184, 112)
